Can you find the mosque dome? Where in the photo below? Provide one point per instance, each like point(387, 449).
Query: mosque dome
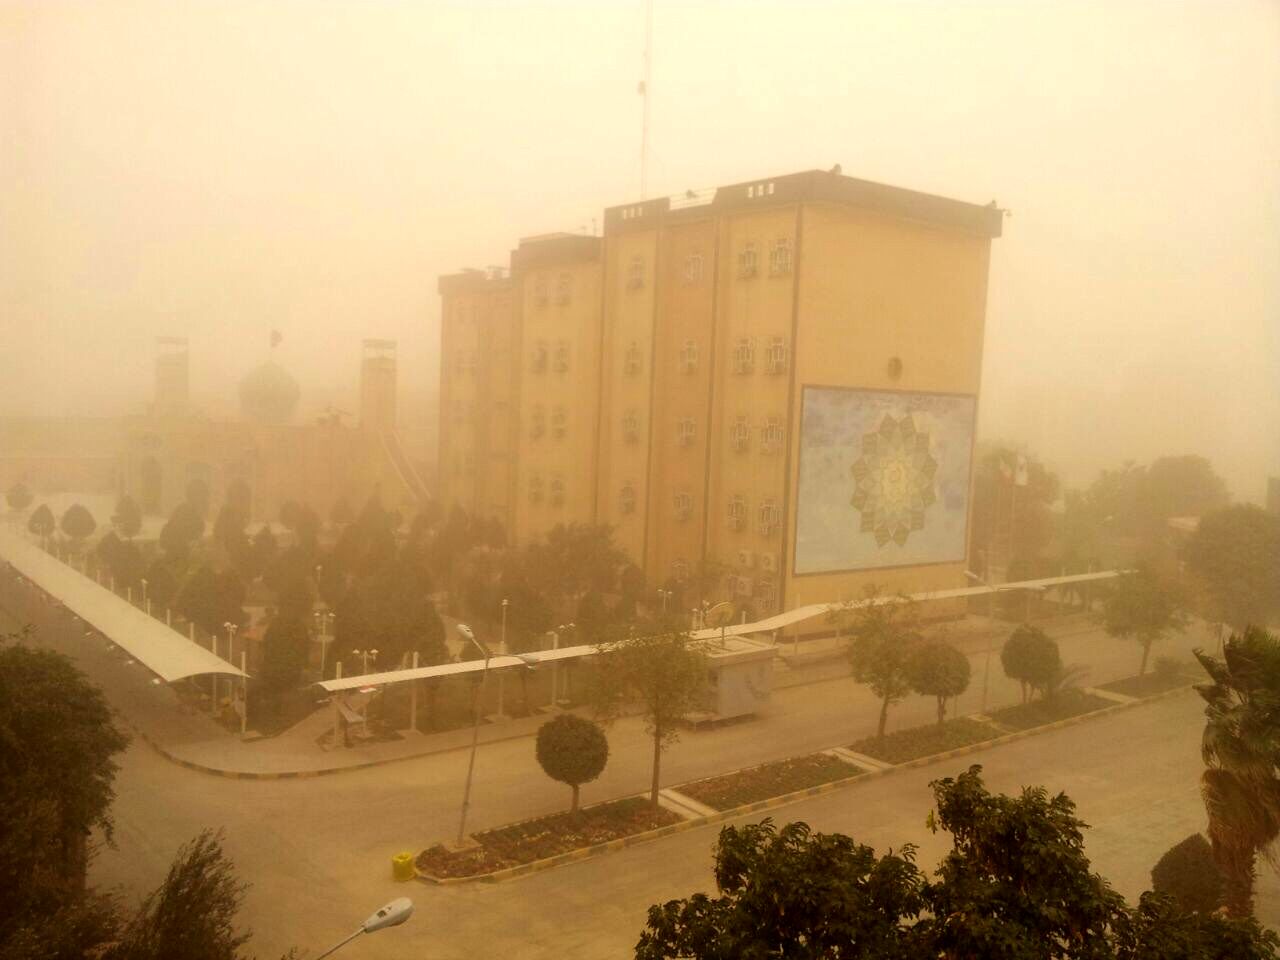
point(269, 394)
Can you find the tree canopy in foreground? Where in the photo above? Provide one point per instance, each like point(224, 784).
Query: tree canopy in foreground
point(1016, 885)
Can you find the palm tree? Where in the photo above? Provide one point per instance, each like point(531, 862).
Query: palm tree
point(1241, 748)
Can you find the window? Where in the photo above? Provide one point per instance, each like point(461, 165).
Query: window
point(631, 426)
point(740, 435)
point(562, 356)
point(765, 588)
point(627, 499)
point(771, 436)
point(535, 488)
point(744, 356)
point(747, 260)
point(557, 490)
point(538, 363)
point(689, 357)
point(737, 512)
point(686, 431)
point(780, 258)
point(693, 268)
point(680, 571)
point(777, 355)
point(537, 422)
point(635, 273)
point(769, 517)
point(564, 287)
point(683, 503)
point(559, 423)
point(540, 291)
point(633, 359)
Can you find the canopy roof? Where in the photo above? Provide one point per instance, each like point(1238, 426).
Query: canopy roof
point(768, 625)
point(159, 648)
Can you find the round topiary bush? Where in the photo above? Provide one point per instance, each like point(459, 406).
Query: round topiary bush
point(1187, 873)
point(572, 750)
point(1031, 657)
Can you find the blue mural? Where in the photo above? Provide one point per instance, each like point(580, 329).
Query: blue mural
point(884, 479)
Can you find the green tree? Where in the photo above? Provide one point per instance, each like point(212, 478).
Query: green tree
point(211, 599)
point(41, 522)
point(265, 549)
point(78, 523)
point(664, 674)
point(127, 517)
point(883, 632)
point(1188, 873)
point(573, 751)
point(1179, 486)
point(939, 670)
point(18, 496)
point(183, 528)
point(1141, 606)
point(573, 559)
point(162, 582)
point(1241, 748)
point(284, 654)
point(192, 913)
point(996, 895)
point(57, 769)
point(1235, 556)
point(1031, 657)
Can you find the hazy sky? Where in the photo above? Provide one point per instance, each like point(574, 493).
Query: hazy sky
point(219, 169)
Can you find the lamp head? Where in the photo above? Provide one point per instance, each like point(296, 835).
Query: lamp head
point(392, 915)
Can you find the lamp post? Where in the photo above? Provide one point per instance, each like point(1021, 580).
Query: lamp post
point(146, 601)
point(392, 915)
point(986, 663)
point(324, 619)
point(364, 656)
point(502, 648)
point(665, 595)
point(467, 633)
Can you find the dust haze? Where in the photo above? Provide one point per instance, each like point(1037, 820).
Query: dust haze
point(220, 170)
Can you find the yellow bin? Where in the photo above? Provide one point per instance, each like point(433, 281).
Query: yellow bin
point(402, 867)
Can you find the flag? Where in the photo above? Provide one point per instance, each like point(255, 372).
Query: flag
point(276, 338)
point(1020, 472)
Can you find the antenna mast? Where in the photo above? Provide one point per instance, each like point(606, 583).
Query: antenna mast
point(644, 94)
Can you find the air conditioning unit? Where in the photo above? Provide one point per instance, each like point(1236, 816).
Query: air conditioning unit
point(768, 562)
point(746, 558)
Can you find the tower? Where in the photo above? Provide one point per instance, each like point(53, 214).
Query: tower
point(378, 385)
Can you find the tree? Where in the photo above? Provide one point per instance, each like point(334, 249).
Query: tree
point(883, 632)
point(56, 771)
point(663, 673)
point(183, 528)
point(573, 751)
point(1181, 486)
point(1187, 873)
point(1240, 785)
point(127, 517)
point(211, 599)
point(19, 496)
point(1031, 657)
point(996, 895)
point(78, 523)
point(1001, 492)
point(198, 497)
point(162, 582)
point(192, 913)
point(938, 670)
point(42, 523)
point(1141, 606)
point(1235, 555)
point(284, 654)
point(573, 559)
point(265, 549)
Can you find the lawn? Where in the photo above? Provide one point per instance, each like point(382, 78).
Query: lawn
point(768, 780)
point(903, 745)
point(1070, 703)
point(545, 837)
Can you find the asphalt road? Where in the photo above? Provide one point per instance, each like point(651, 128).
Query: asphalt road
point(317, 851)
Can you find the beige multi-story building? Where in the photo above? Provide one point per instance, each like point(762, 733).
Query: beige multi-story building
point(773, 383)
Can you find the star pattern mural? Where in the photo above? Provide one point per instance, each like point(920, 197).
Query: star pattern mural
point(893, 480)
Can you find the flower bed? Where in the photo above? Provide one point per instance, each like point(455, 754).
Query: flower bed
point(1071, 703)
point(903, 745)
point(1148, 685)
point(768, 780)
point(545, 837)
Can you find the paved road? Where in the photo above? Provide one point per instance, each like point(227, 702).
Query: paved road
point(317, 851)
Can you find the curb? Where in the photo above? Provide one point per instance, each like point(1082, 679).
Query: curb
point(586, 853)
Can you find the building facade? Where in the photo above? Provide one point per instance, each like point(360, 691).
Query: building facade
point(771, 386)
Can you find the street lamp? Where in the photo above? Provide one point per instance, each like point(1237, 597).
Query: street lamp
point(364, 656)
point(392, 915)
point(986, 664)
point(502, 648)
point(323, 619)
point(467, 633)
point(145, 602)
point(665, 595)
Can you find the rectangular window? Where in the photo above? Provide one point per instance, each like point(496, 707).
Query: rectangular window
point(744, 356)
point(777, 355)
point(780, 258)
point(559, 423)
point(538, 362)
point(689, 357)
point(771, 436)
point(769, 517)
point(693, 268)
point(537, 422)
point(740, 435)
point(535, 488)
point(686, 431)
point(633, 359)
point(737, 512)
point(631, 427)
point(563, 288)
point(635, 273)
point(683, 503)
point(562, 356)
point(627, 499)
point(557, 491)
point(747, 261)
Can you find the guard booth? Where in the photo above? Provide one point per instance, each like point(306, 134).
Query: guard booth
point(740, 676)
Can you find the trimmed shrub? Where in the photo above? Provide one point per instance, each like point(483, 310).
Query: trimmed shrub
point(1188, 874)
point(1031, 657)
point(573, 751)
